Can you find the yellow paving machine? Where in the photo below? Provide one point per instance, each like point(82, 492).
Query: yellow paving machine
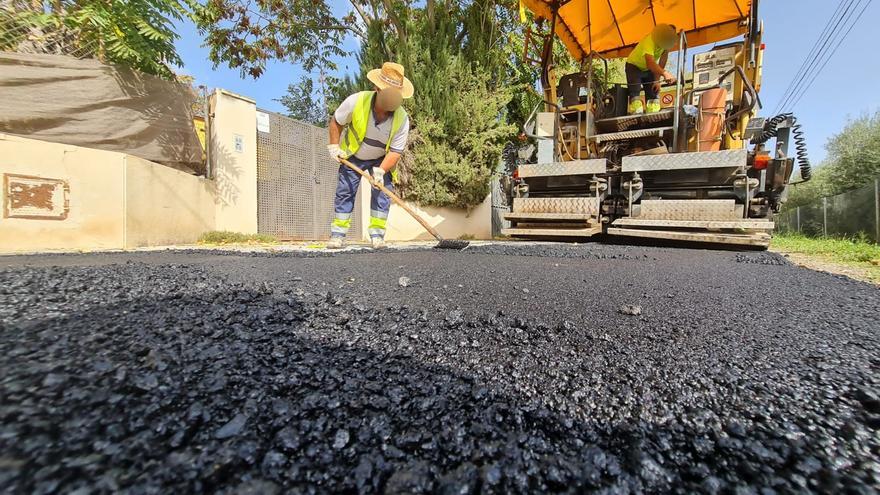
point(705, 168)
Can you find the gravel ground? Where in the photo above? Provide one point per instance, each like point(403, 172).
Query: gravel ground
point(503, 368)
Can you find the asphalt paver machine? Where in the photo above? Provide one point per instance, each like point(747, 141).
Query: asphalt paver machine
point(706, 168)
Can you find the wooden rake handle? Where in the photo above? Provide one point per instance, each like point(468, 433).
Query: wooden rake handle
point(394, 197)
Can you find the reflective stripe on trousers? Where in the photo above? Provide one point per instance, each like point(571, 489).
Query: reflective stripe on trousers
point(346, 193)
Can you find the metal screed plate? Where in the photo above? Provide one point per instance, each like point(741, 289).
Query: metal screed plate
point(554, 205)
point(756, 224)
point(575, 167)
point(759, 239)
point(685, 161)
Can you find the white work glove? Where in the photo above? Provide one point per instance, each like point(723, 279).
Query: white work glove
point(378, 174)
point(334, 151)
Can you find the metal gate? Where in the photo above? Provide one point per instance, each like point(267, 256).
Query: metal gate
point(296, 180)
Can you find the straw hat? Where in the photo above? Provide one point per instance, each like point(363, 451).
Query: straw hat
point(391, 76)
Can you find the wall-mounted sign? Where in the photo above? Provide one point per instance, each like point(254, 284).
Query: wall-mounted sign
point(263, 122)
point(35, 198)
point(239, 143)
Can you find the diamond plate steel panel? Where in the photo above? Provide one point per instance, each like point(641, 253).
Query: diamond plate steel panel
point(637, 133)
point(689, 209)
point(576, 167)
point(296, 182)
point(683, 161)
point(555, 205)
point(627, 122)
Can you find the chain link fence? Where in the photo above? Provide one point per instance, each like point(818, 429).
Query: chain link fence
point(854, 213)
point(22, 32)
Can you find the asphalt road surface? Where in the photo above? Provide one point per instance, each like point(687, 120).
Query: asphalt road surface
point(506, 368)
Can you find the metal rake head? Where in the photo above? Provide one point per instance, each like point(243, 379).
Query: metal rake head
point(452, 244)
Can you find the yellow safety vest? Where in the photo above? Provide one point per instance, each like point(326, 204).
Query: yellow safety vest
point(357, 129)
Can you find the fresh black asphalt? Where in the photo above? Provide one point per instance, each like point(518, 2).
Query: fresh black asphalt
point(505, 368)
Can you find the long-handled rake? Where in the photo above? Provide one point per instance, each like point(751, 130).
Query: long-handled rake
point(442, 243)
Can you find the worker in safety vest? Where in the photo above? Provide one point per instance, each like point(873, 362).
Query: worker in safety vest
point(375, 133)
point(645, 68)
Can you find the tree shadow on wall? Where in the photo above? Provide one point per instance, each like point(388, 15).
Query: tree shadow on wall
point(166, 117)
point(227, 175)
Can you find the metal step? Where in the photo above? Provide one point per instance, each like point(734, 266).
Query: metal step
point(550, 232)
point(583, 204)
point(575, 167)
point(689, 209)
point(751, 224)
point(756, 239)
point(522, 217)
point(685, 161)
point(629, 122)
point(624, 135)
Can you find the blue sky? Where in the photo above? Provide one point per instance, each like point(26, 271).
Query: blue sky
point(845, 89)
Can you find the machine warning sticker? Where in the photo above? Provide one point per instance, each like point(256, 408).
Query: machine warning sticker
point(667, 99)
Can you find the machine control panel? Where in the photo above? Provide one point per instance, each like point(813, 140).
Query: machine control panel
point(710, 66)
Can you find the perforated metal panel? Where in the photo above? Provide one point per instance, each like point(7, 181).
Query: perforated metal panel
point(296, 181)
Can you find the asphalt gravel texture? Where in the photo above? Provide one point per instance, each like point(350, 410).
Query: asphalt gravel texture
point(498, 369)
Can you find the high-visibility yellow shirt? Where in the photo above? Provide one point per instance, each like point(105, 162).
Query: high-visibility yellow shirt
point(645, 47)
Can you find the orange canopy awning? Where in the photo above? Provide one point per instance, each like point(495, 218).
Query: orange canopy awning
point(614, 27)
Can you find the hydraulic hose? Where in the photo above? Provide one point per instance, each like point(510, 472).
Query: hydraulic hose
point(770, 131)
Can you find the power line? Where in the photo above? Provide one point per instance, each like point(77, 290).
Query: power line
point(813, 51)
point(839, 42)
point(817, 56)
point(821, 59)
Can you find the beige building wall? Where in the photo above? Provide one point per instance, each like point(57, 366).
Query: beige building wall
point(63, 197)
point(165, 206)
point(451, 223)
point(234, 161)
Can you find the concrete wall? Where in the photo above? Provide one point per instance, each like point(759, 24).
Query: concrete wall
point(93, 181)
point(451, 223)
point(62, 197)
point(165, 206)
point(234, 161)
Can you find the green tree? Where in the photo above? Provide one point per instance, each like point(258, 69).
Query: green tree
point(244, 34)
point(304, 104)
point(458, 111)
point(135, 33)
point(855, 153)
point(853, 161)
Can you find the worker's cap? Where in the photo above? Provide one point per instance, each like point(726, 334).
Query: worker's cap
point(391, 76)
point(665, 35)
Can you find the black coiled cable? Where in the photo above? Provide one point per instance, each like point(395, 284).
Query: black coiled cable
point(800, 145)
point(770, 131)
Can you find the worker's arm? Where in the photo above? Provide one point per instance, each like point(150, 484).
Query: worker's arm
point(339, 119)
point(390, 161)
point(335, 130)
point(658, 70)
